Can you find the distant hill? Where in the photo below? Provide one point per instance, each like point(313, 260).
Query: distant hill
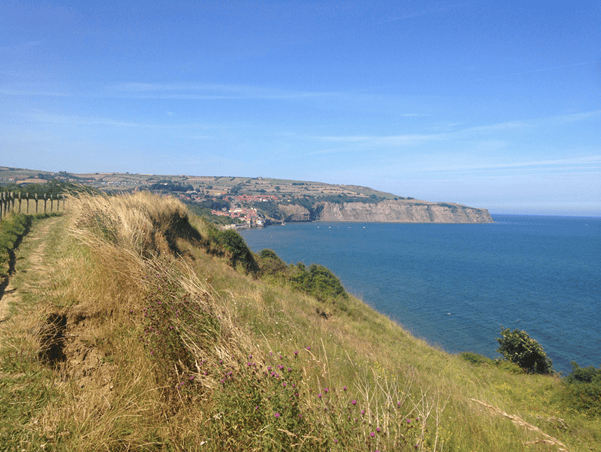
point(267, 200)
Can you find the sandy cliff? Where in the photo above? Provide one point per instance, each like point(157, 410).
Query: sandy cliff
point(402, 211)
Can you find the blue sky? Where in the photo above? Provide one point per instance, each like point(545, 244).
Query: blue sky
point(489, 104)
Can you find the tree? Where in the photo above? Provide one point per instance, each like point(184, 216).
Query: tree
point(518, 347)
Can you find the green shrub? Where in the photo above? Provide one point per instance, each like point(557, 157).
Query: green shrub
point(518, 347)
point(583, 389)
point(238, 251)
point(271, 264)
point(318, 281)
point(475, 358)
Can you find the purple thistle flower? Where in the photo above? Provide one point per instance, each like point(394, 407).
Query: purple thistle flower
point(344, 387)
point(372, 434)
point(319, 396)
point(277, 414)
point(354, 402)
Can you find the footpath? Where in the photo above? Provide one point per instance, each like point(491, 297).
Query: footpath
point(28, 257)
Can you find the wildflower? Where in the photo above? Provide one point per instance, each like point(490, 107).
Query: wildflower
point(290, 369)
point(354, 402)
point(372, 434)
point(362, 412)
point(284, 384)
point(408, 421)
point(192, 377)
point(319, 396)
point(308, 348)
point(325, 390)
point(277, 414)
point(296, 352)
point(344, 387)
point(378, 429)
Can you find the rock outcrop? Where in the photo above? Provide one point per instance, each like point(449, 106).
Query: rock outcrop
point(294, 212)
point(401, 211)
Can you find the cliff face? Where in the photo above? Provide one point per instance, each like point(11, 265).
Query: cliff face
point(294, 212)
point(402, 211)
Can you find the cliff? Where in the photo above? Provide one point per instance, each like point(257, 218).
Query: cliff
point(295, 212)
point(401, 211)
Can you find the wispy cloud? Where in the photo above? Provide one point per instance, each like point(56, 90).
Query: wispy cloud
point(208, 91)
point(589, 162)
point(411, 139)
point(394, 140)
point(90, 121)
point(25, 92)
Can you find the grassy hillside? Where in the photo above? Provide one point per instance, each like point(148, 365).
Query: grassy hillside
point(142, 327)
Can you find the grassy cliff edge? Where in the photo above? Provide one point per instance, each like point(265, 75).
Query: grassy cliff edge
point(141, 328)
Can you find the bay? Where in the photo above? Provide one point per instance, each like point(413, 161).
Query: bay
point(454, 285)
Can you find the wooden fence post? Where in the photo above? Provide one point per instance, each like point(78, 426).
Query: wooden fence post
point(45, 203)
point(27, 198)
point(19, 202)
point(36, 203)
point(51, 203)
point(1, 204)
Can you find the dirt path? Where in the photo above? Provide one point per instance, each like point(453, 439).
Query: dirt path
point(35, 238)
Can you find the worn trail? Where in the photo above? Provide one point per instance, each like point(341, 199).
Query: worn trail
point(32, 260)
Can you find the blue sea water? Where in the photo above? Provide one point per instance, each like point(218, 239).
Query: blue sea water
point(454, 285)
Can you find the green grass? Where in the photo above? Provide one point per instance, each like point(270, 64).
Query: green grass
point(202, 356)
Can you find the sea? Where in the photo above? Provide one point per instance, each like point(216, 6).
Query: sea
point(456, 285)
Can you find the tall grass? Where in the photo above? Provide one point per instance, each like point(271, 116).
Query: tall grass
point(193, 355)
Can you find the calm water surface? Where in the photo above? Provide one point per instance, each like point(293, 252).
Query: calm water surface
point(456, 284)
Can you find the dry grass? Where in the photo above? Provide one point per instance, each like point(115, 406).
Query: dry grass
point(166, 352)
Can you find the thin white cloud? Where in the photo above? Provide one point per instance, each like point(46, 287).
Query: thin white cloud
point(398, 140)
point(395, 140)
point(568, 163)
point(199, 91)
point(20, 92)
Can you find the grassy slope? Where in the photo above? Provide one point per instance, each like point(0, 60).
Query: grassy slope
point(151, 339)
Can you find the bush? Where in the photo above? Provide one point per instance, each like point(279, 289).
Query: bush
point(238, 251)
point(271, 264)
point(583, 389)
point(518, 347)
point(475, 358)
point(318, 281)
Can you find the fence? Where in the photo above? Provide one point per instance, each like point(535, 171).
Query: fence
point(20, 203)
